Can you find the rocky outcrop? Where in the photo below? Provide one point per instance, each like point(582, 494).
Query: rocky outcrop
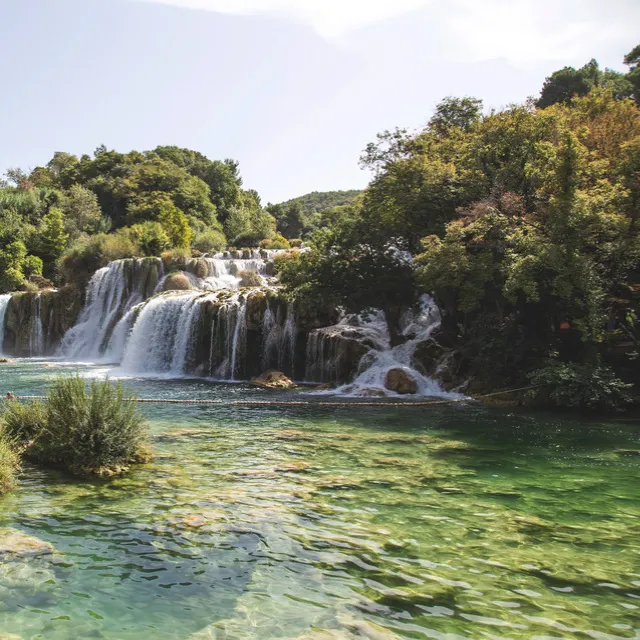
point(36, 322)
point(334, 353)
point(400, 381)
point(273, 380)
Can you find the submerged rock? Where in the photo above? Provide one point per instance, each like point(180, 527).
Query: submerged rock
point(400, 381)
point(16, 544)
point(273, 380)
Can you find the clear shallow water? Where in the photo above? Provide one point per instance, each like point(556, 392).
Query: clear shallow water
point(444, 522)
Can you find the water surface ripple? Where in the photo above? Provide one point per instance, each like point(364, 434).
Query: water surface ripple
point(443, 522)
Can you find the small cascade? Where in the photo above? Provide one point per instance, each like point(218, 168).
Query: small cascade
point(36, 333)
point(328, 348)
point(5, 298)
point(222, 270)
point(112, 292)
point(279, 339)
point(289, 337)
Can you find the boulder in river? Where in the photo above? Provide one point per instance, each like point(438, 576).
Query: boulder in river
point(273, 380)
point(400, 381)
point(16, 544)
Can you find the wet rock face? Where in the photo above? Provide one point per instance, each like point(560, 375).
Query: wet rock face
point(273, 380)
point(36, 322)
point(400, 381)
point(334, 353)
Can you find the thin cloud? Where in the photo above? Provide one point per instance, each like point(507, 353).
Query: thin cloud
point(330, 18)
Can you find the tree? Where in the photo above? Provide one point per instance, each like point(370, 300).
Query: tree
point(632, 60)
point(345, 268)
point(461, 113)
point(53, 238)
point(81, 211)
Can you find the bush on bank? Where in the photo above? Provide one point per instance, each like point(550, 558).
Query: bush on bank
point(99, 431)
point(9, 462)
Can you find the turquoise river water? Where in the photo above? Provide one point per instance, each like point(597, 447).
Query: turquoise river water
point(444, 522)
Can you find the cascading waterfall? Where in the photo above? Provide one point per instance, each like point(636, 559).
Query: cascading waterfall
point(112, 292)
point(5, 298)
point(279, 338)
point(324, 354)
point(36, 335)
point(165, 335)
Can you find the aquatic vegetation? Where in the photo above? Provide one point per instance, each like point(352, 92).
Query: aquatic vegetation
point(97, 431)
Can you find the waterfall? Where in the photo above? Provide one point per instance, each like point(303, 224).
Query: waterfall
point(279, 339)
point(36, 334)
point(328, 347)
point(168, 329)
point(160, 334)
point(5, 298)
point(289, 336)
point(112, 292)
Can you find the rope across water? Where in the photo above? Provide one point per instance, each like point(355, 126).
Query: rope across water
point(307, 403)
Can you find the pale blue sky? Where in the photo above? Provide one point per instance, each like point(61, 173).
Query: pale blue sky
point(293, 89)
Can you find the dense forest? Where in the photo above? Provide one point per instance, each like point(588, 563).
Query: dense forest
point(523, 223)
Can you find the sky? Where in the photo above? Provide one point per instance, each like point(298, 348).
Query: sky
point(292, 89)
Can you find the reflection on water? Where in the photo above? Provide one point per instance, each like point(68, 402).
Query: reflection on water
point(257, 523)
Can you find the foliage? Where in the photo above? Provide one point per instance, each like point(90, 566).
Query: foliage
point(100, 431)
point(32, 266)
point(584, 387)
point(151, 237)
point(563, 85)
point(277, 242)
point(11, 279)
point(344, 270)
point(210, 241)
point(177, 282)
point(9, 462)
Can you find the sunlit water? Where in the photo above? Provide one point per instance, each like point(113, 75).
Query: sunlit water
point(442, 522)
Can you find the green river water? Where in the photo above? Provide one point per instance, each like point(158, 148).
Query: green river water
point(442, 522)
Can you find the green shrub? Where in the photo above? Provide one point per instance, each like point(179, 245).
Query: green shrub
point(24, 422)
point(210, 241)
point(581, 386)
point(277, 242)
point(32, 266)
point(295, 242)
point(249, 278)
point(152, 238)
point(11, 279)
point(97, 432)
point(9, 463)
point(84, 257)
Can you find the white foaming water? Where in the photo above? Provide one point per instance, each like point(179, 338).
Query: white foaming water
point(163, 338)
point(36, 335)
point(112, 292)
point(375, 365)
point(5, 298)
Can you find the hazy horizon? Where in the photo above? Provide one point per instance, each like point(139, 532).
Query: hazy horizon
point(292, 90)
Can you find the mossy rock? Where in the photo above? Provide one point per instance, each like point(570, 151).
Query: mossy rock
point(178, 281)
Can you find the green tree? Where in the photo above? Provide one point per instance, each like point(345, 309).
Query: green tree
point(53, 238)
point(81, 211)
